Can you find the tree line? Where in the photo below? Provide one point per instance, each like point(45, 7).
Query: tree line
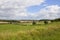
point(33, 21)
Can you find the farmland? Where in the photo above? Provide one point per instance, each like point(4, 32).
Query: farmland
point(27, 31)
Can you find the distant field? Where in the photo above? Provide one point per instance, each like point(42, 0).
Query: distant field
point(39, 31)
point(18, 27)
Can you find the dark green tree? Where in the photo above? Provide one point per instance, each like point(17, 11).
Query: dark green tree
point(45, 22)
point(33, 22)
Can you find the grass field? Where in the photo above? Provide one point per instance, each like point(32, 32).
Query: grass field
point(30, 32)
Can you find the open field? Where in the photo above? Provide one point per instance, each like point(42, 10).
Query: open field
point(30, 32)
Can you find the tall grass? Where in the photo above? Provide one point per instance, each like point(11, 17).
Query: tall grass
point(30, 32)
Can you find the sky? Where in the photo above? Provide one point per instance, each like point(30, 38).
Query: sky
point(29, 9)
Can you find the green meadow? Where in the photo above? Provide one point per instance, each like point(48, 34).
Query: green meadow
point(27, 31)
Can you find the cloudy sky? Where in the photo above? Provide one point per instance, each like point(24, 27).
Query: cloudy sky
point(29, 9)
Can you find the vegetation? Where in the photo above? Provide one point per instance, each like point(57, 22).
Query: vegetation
point(46, 22)
point(33, 22)
point(27, 31)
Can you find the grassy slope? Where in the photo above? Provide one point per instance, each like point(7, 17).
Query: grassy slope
point(30, 32)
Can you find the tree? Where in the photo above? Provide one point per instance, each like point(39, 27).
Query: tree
point(45, 22)
point(33, 22)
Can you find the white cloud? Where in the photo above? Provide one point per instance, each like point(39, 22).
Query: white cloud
point(16, 9)
point(11, 9)
point(20, 3)
point(22, 15)
point(50, 12)
point(53, 8)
